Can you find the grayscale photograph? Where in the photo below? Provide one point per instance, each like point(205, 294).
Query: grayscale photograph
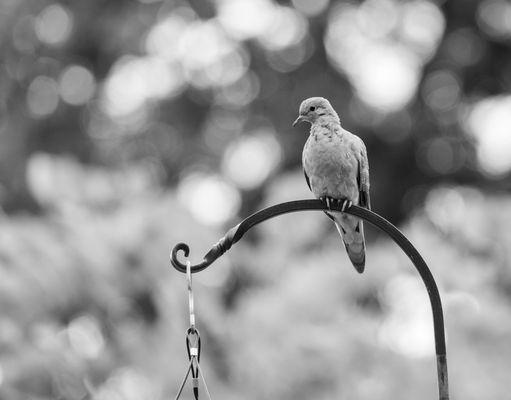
point(255, 199)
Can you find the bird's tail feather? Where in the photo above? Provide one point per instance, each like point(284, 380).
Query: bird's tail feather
point(354, 242)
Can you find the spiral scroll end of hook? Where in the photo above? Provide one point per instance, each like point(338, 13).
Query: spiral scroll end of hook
point(174, 256)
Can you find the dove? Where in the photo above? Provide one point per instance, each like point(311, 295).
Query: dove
point(336, 169)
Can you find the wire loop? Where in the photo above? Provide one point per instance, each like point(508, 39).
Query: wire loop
point(190, 294)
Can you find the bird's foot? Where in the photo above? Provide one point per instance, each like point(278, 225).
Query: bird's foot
point(346, 204)
point(329, 201)
point(336, 203)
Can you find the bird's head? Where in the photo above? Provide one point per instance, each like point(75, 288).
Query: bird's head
point(313, 108)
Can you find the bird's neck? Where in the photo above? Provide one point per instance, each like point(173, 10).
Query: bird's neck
point(328, 116)
point(328, 121)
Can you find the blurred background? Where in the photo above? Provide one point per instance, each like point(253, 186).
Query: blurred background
point(128, 126)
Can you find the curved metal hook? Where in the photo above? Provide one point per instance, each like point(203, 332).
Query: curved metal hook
point(175, 262)
point(237, 232)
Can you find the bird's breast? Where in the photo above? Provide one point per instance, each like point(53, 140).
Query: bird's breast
point(331, 166)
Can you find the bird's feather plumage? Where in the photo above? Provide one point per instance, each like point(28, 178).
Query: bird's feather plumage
point(335, 165)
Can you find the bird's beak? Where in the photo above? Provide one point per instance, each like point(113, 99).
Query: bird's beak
point(300, 118)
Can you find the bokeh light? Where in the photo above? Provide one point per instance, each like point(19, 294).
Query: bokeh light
point(311, 8)
point(422, 26)
point(209, 57)
point(222, 127)
point(440, 155)
point(464, 46)
point(494, 18)
point(206, 55)
point(162, 39)
point(249, 161)
point(54, 24)
point(377, 19)
point(127, 384)
point(42, 96)
point(441, 90)
point(85, 337)
point(134, 81)
point(382, 58)
point(76, 85)
point(407, 328)
point(240, 93)
point(288, 28)
point(237, 17)
point(209, 198)
point(387, 78)
point(489, 121)
point(292, 57)
point(62, 181)
point(447, 207)
point(275, 28)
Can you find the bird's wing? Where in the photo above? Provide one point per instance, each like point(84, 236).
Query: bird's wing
point(307, 180)
point(309, 185)
point(363, 176)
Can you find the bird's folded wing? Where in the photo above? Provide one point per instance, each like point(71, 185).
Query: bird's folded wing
point(307, 180)
point(363, 177)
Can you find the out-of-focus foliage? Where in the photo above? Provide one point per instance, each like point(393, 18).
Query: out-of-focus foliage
point(127, 126)
point(89, 306)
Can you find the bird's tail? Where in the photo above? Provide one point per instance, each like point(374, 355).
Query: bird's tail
point(351, 230)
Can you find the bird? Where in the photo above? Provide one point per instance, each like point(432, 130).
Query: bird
point(336, 170)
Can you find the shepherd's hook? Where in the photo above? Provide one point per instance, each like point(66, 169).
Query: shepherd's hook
point(237, 232)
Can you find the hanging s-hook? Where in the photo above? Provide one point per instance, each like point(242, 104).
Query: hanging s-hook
point(193, 345)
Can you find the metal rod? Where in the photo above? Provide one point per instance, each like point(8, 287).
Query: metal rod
point(237, 232)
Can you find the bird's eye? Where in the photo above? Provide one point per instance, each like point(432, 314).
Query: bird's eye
point(312, 108)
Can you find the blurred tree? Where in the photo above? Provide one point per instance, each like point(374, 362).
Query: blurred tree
point(171, 123)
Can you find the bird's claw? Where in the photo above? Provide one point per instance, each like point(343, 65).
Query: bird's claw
point(329, 201)
point(346, 204)
point(335, 203)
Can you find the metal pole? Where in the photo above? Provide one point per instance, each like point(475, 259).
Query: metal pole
point(237, 232)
